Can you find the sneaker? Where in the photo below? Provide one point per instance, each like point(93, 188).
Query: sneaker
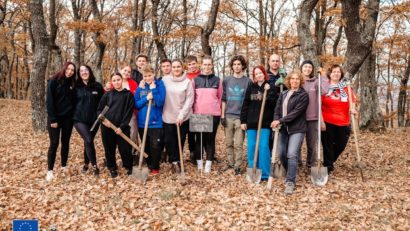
point(64, 169)
point(289, 188)
point(154, 172)
point(208, 166)
point(84, 169)
point(200, 164)
point(238, 171)
point(49, 176)
point(96, 171)
point(113, 173)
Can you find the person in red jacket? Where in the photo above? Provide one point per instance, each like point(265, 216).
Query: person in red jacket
point(335, 111)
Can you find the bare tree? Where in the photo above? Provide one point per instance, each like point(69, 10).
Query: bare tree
point(158, 42)
point(209, 28)
point(307, 44)
point(55, 51)
point(99, 43)
point(38, 71)
point(401, 106)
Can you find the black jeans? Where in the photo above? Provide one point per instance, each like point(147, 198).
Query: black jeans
point(334, 141)
point(88, 137)
point(171, 140)
point(208, 141)
point(110, 141)
point(65, 127)
point(153, 146)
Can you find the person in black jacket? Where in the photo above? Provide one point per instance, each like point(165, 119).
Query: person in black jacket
point(250, 111)
point(290, 113)
point(121, 106)
point(59, 102)
point(88, 93)
point(140, 61)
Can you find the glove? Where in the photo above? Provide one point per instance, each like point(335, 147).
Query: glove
point(279, 81)
point(282, 72)
point(223, 122)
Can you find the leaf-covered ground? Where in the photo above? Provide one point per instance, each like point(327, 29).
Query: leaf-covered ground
point(220, 201)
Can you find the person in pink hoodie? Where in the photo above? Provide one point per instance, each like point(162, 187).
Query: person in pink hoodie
point(176, 112)
point(208, 97)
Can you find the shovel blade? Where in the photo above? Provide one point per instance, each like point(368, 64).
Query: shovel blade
point(277, 171)
point(253, 176)
point(140, 173)
point(182, 178)
point(319, 175)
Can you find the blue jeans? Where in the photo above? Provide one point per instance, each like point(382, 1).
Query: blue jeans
point(289, 150)
point(264, 152)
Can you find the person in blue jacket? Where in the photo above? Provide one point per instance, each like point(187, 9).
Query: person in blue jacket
point(151, 89)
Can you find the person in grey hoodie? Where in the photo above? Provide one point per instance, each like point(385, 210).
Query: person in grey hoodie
point(311, 86)
point(176, 111)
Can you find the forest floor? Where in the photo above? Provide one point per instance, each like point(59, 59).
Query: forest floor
point(220, 201)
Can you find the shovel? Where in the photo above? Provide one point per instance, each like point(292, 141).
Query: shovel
point(253, 174)
point(319, 174)
point(181, 158)
point(139, 172)
point(358, 158)
point(277, 170)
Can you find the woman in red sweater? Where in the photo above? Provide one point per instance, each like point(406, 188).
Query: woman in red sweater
point(335, 111)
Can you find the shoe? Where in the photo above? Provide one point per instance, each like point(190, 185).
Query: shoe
point(113, 173)
point(154, 172)
point(289, 188)
point(176, 167)
point(64, 169)
point(227, 167)
point(238, 171)
point(216, 160)
point(200, 164)
point(84, 169)
point(208, 166)
point(96, 171)
point(49, 176)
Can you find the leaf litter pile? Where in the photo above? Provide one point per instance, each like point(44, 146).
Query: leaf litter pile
point(219, 201)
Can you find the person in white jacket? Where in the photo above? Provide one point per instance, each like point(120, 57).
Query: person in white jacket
point(177, 109)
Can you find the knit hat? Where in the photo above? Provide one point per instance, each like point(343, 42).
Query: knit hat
point(311, 63)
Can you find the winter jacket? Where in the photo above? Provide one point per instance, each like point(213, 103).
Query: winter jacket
point(252, 105)
point(121, 104)
point(295, 120)
point(141, 103)
point(208, 95)
point(87, 99)
point(59, 99)
point(178, 100)
point(136, 75)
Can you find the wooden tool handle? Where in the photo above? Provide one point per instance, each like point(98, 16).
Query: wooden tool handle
point(255, 157)
point(180, 148)
point(144, 136)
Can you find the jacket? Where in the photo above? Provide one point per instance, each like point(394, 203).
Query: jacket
point(121, 104)
point(295, 120)
point(272, 80)
point(178, 100)
point(87, 98)
point(311, 87)
point(141, 103)
point(208, 95)
point(252, 105)
point(59, 99)
point(136, 75)
point(193, 75)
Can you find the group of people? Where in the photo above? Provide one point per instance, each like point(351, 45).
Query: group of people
point(136, 97)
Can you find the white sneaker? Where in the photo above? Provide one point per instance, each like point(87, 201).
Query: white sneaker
point(200, 164)
point(49, 176)
point(208, 166)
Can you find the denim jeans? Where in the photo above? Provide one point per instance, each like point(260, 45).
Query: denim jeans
point(289, 150)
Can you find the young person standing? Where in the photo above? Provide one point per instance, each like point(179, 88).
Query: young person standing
point(177, 109)
point(251, 109)
point(121, 106)
point(151, 89)
point(88, 93)
point(234, 88)
point(140, 61)
point(60, 107)
point(165, 68)
point(208, 95)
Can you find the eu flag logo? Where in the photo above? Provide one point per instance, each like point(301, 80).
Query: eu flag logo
point(25, 225)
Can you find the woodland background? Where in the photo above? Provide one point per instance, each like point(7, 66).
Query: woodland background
point(370, 38)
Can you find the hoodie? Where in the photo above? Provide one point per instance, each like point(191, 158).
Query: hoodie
point(141, 103)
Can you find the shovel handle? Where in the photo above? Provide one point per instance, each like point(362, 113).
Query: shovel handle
point(180, 148)
point(144, 136)
point(255, 157)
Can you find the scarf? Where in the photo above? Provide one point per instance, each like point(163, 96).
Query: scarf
point(340, 85)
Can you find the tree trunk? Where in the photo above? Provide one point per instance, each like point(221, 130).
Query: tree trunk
point(307, 45)
point(370, 116)
point(184, 29)
point(99, 44)
point(401, 106)
point(134, 29)
point(155, 30)
point(38, 70)
point(209, 28)
point(337, 40)
point(262, 32)
point(3, 11)
point(141, 19)
point(26, 84)
point(55, 52)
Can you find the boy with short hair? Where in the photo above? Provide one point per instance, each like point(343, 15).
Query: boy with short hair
point(140, 61)
point(234, 88)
